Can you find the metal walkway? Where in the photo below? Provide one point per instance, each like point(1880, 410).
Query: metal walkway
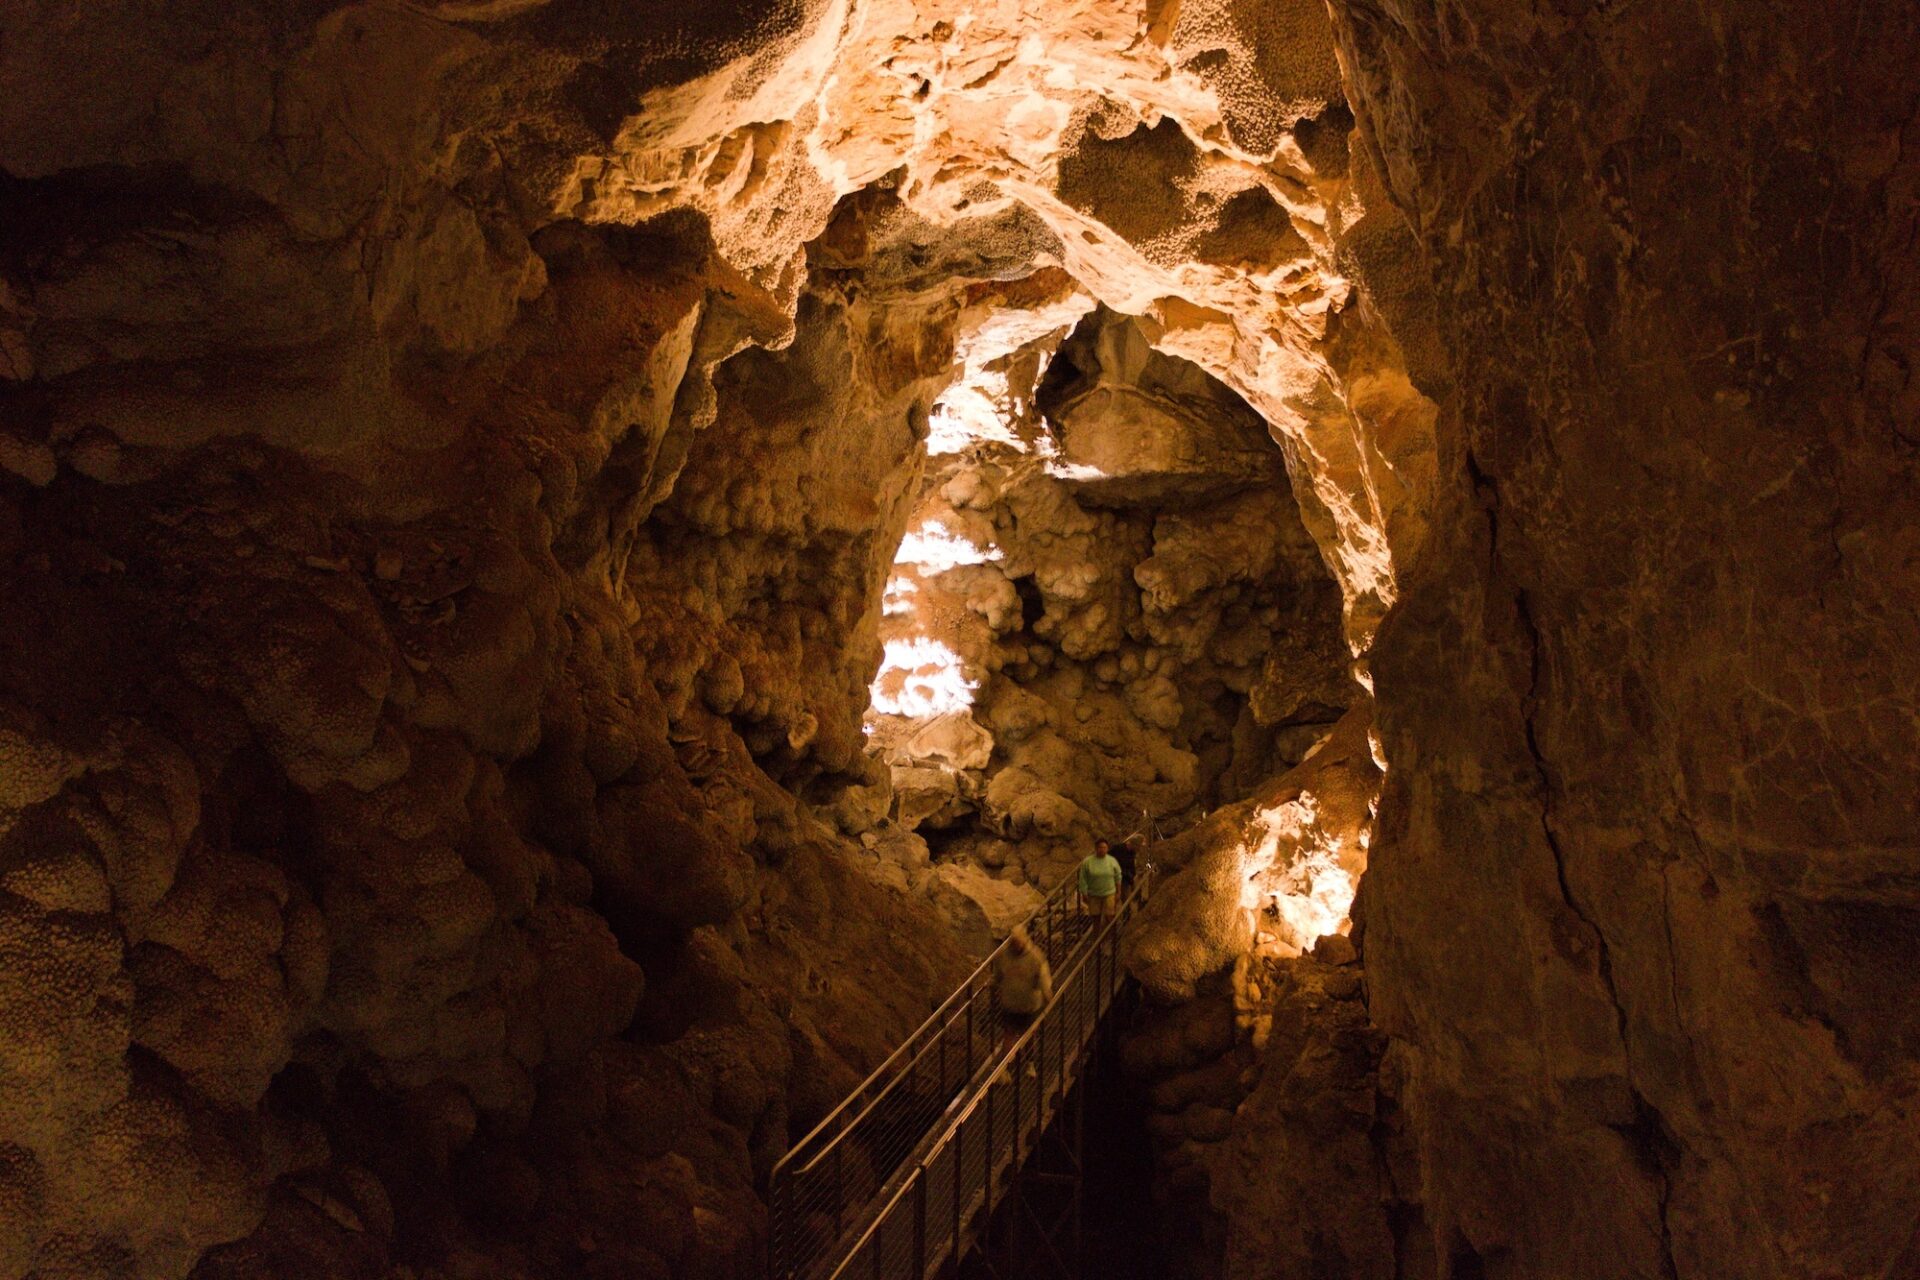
point(902, 1179)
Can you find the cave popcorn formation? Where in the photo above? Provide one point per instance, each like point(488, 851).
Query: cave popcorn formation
point(1104, 610)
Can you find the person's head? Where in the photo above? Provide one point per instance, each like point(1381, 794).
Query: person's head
point(1018, 941)
point(1101, 848)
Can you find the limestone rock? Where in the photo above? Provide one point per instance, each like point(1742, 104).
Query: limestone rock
point(1273, 873)
point(1300, 1180)
point(978, 909)
point(1073, 644)
point(453, 460)
point(1653, 833)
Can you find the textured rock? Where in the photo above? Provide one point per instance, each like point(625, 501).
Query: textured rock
point(978, 909)
point(1646, 846)
point(452, 460)
point(1302, 1182)
point(1264, 1089)
point(1268, 875)
point(1105, 605)
point(365, 859)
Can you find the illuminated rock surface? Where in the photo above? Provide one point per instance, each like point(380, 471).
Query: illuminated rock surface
point(1105, 608)
point(454, 459)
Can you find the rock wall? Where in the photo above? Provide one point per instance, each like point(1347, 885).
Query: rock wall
point(1254, 1045)
point(1641, 915)
point(434, 644)
point(371, 892)
point(377, 900)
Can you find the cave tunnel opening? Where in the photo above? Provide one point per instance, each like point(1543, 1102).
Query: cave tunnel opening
point(1105, 619)
point(693, 734)
point(1103, 615)
point(1074, 581)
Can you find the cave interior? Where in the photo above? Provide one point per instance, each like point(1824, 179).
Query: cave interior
point(569, 567)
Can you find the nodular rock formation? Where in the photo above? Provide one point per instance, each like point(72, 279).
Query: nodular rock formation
point(467, 473)
point(1105, 617)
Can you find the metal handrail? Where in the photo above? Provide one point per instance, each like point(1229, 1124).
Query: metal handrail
point(1087, 950)
point(856, 1155)
point(912, 1169)
point(1091, 949)
point(869, 1134)
point(940, 1019)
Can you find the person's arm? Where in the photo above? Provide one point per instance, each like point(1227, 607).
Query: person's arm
point(1081, 884)
point(1046, 981)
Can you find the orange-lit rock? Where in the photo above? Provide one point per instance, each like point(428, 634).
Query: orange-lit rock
point(1269, 875)
point(1646, 843)
point(453, 457)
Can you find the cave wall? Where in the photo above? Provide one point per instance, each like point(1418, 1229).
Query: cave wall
point(360, 665)
point(1277, 1146)
point(376, 895)
point(1641, 918)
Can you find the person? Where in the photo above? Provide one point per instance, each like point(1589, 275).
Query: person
point(1100, 877)
point(1025, 983)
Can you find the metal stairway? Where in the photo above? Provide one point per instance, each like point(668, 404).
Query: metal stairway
point(902, 1179)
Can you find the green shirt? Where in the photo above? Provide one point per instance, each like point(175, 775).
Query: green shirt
point(1100, 877)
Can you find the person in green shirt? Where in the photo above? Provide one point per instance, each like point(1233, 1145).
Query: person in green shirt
point(1100, 881)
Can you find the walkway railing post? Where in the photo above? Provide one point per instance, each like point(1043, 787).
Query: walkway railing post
point(1040, 1054)
point(959, 1183)
point(986, 1206)
point(920, 1223)
point(782, 1198)
point(1106, 985)
point(1083, 948)
point(971, 999)
point(1019, 1122)
point(839, 1187)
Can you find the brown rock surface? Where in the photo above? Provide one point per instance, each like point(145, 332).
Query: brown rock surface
point(371, 889)
point(1268, 875)
point(1105, 610)
point(1646, 850)
point(1304, 1182)
point(452, 460)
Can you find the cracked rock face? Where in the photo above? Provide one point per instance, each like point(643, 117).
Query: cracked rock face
point(453, 459)
point(1646, 845)
point(361, 879)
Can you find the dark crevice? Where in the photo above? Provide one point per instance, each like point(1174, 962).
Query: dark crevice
point(1673, 973)
point(1657, 1153)
point(1405, 1216)
point(1529, 709)
point(1464, 1262)
point(1792, 969)
point(1657, 1164)
point(1033, 605)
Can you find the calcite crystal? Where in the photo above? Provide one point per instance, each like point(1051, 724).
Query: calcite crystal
point(455, 459)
